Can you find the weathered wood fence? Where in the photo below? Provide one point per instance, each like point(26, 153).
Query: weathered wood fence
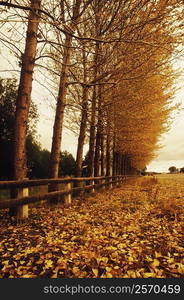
point(55, 192)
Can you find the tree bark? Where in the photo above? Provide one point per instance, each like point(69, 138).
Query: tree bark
point(102, 156)
point(24, 92)
point(23, 101)
point(92, 135)
point(61, 100)
point(108, 152)
point(83, 124)
point(60, 107)
point(97, 152)
point(82, 133)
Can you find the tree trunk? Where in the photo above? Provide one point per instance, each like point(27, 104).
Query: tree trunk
point(97, 152)
point(114, 163)
point(59, 117)
point(83, 124)
point(82, 133)
point(98, 135)
point(102, 156)
point(108, 153)
point(61, 100)
point(94, 98)
point(23, 99)
point(92, 136)
point(24, 92)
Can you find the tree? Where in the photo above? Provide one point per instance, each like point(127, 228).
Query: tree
point(67, 164)
point(182, 170)
point(75, 13)
point(8, 94)
point(24, 91)
point(173, 170)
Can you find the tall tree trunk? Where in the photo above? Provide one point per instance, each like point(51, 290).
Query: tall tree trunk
point(24, 92)
point(83, 124)
point(108, 152)
point(119, 164)
point(98, 134)
point(82, 133)
point(61, 100)
point(59, 116)
point(97, 151)
point(23, 102)
point(92, 130)
point(114, 162)
point(102, 156)
point(94, 97)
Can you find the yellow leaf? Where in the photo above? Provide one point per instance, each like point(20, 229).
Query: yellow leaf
point(111, 248)
point(104, 259)
point(158, 254)
point(54, 275)
point(109, 275)
point(48, 264)
point(74, 238)
point(75, 270)
point(131, 259)
point(155, 263)
point(131, 274)
point(121, 245)
point(181, 268)
point(114, 255)
point(113, 234)
point(28, 276)
point(95, 271)
point(108, 269)
point(147, 275)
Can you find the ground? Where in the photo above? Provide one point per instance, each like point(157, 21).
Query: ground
point(131, 231)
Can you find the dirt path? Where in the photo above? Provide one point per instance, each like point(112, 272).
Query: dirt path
point(132, 231)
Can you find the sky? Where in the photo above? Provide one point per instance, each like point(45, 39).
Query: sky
point(172, 142)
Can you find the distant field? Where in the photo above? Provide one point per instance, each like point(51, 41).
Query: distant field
point(173, 182)
point(175, 177)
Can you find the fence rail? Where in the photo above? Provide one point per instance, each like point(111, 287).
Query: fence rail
point(22, 188)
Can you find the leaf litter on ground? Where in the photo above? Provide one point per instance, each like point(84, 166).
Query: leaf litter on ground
point(133, 231)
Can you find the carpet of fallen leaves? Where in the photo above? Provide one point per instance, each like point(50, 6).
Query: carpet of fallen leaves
point(132, 231)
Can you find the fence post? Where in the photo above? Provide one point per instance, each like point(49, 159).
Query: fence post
point(53, 187)
point(23, 210)
point(93, 189)
point(80, 184)
point(103, 186)
point(118, 181)
point(68, 197)
point(110, 185)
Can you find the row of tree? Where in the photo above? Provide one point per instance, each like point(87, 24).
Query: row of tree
point(109, 65)
point(174, 170)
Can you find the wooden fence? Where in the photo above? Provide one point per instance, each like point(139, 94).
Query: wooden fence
point(71, 187)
